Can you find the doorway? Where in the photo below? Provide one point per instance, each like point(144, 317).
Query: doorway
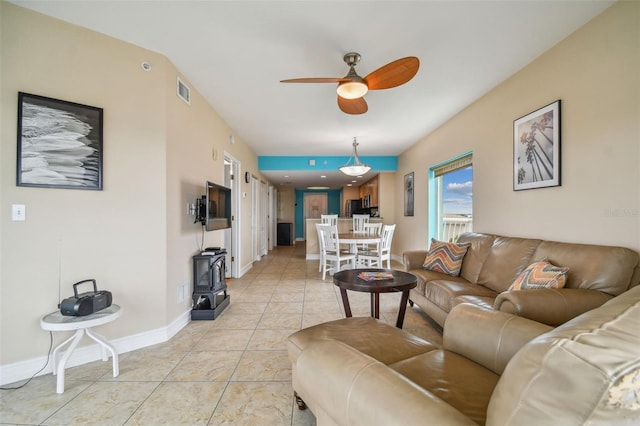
point(264, 216)
point(315, 204)
point(232, 235)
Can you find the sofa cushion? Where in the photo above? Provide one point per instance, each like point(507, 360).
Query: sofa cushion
point(508, 256)
point(461, 383)
point(541, 274)
point(610, 269)
point(476, 254)
point(426, 275)
point(445, 257)
point(482, 301)
point(390, 345)
point(443, 292)
point(347, 387)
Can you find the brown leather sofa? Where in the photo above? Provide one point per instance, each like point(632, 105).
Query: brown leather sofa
point(492, 263)
point(494, 368)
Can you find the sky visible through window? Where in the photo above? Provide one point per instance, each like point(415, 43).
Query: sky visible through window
point(458, 192)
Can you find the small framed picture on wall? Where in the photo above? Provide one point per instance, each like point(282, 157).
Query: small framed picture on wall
point(408, 194)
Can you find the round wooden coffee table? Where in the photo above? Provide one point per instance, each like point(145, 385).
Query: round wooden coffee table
point(398, 281)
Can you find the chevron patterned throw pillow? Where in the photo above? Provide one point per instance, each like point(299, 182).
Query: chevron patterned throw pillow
point(445, 257)
point(541, 274)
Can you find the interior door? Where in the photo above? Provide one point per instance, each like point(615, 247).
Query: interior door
point(271, 221)
point(315, 204)
point(264, 216)
point(232, 235)
point(255, 229)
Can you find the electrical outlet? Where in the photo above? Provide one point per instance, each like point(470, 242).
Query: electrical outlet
point(182, 292)
point(18, 212)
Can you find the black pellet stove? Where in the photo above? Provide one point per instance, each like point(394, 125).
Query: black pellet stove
point(210, 296)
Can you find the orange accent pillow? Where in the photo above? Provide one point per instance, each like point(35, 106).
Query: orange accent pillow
point(445, 257)
point(541, 274)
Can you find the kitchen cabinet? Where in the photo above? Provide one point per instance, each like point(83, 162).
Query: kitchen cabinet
point(370, 189)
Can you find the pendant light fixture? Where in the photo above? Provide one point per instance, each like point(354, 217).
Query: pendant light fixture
point(354, 166)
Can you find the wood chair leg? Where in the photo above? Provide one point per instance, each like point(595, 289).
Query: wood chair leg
point(301, 404)
point(411, 303)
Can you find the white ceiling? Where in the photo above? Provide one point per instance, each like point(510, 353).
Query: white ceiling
point(236, 52)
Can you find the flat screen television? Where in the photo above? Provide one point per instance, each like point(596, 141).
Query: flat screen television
point(214, 208)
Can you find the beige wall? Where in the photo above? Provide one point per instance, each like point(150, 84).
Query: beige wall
point(134, 236)
point(387, 197)
point(596, 74)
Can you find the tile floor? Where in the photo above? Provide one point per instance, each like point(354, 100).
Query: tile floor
point(230, 371)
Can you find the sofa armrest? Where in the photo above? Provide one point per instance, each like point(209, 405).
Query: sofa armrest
point(487, 336)
point(353, 388)
point(552, 306)
point(413, 259)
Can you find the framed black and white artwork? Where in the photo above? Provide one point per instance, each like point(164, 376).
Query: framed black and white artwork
point(59, 144)
point(408, 194)
point(536, 148)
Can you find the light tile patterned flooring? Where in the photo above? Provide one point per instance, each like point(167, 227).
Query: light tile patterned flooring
point(230, 371)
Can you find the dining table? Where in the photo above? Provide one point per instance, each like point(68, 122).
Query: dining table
point(356, 238)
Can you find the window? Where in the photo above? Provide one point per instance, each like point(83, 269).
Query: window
point(451, 198)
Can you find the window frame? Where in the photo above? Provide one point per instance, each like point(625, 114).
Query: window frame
point(435, 189)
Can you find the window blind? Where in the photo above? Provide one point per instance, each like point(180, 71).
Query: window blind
point(452, 166)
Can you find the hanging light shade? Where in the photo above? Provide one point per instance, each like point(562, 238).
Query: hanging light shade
point(354, 166)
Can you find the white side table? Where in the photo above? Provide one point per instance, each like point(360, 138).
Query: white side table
point(55, 321)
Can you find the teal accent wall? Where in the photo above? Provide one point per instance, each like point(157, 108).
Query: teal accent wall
point(379, 164)
point(333, 206)
point(330, 163)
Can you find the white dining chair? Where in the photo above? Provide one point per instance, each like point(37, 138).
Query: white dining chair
point(321, 242)
point(320, 246)
point(358, 222)
point(329, 219)
point(332, 257)
point(371, 229)
point(326, 219)
point(374, 258)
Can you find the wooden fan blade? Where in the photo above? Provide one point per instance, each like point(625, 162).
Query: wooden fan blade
point(315, 80)
point(353, 106)
point(393, 74)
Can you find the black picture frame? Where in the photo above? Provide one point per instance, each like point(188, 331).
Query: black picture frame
point(408, 194)
point(536, 148)
point(59, 144)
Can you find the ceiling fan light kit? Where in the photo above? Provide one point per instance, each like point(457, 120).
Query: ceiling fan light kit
point(356, 87)
point(352, 87)
point(354, 166)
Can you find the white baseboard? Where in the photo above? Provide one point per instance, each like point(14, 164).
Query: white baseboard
point(22, 370)
point(246, 269)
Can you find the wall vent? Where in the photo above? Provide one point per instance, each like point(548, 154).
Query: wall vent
point(184, 92)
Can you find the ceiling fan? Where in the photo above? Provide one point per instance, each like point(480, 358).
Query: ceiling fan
point(352, 87)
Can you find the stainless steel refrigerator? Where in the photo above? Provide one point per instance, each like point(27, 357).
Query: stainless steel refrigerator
point(352, 206)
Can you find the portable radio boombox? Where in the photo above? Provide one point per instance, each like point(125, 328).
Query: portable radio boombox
point(85, 303)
